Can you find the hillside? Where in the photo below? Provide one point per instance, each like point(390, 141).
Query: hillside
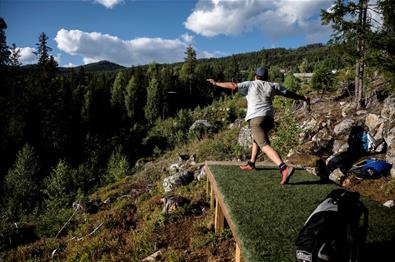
point(143, 214)
point(101, 66)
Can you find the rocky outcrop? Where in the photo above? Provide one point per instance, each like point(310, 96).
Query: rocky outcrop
point(200, 128)
point(245, 139)
point(172, 203)
point(329, 145)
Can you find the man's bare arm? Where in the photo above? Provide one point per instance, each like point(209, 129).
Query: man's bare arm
point(226, 85)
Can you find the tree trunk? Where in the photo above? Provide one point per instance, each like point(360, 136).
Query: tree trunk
point(360, 64)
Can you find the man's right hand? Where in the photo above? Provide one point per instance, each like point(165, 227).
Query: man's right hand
point(212, 81)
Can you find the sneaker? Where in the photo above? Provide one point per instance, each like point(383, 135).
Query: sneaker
point(248, 167)
point(286, 173)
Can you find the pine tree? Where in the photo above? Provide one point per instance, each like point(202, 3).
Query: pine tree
point(153, 106)
point(15, 56)
point(4, 52)
point(118, 167)
point(350, 24)
point(22, 183)
point(117, 91)
point(43, 50)
point(188, 68)
point(59, 190)
point(131, 98)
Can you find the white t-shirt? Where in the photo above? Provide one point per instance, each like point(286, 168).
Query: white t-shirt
point(259, 95)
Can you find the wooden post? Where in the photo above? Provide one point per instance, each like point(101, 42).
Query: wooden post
point(238, 255)
point(219, 218)
point(208, 189)
point(212, 197)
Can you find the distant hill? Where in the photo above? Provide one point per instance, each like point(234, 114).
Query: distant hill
point(101, 66)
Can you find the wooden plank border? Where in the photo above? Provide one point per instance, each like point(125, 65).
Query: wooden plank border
point(221, 210)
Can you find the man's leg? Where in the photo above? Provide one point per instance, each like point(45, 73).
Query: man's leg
point(286, 172)
point(254, 152)
point(251, 164)
point(272, 154)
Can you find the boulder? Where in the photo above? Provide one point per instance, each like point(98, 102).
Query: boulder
point(181, 178)
point(379, 135)
point(172, 203)
point(390, 141)
point(340, 146)
point(245, 138)
point(154, 257)
point(337, 176)
point(174, 168)
point(373, 121)
point(200, 173)
point(200, 128)
point(237, 123)
point(309, 125)
point(323, 138)
point(388, 110)
point(381, 148)
point(389, 203)
point(343, 127)
point(347, 109)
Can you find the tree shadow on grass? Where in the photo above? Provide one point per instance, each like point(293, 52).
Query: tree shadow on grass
point(378, 251)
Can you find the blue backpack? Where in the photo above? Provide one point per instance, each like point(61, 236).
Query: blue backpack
point(371, 168)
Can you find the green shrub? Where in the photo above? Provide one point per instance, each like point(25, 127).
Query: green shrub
point(118, 167)
point(286, 133)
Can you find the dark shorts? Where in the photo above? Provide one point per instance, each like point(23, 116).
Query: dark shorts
point(260, 128)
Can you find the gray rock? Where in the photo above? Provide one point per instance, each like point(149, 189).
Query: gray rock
point(340, 146)
point(361, 112)
point(372, 121)
point(337, 176)
point(200, 128)
point(323, 138)
point(343, 127)
point(174, 168)
point(389, 203)
point(245, 139)
point(389, 137)
point(154, 257)
point(347, 109)
point(237, 123)
point(309, 125)
point(388, 110)
point(381, 148)
point(200, 173)
point(379, 135)
point(172, 203)
point(392, 172)
point(181, 178)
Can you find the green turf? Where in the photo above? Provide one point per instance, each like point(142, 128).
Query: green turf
point(268, 217)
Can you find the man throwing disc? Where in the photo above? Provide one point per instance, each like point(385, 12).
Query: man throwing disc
point(260, 116)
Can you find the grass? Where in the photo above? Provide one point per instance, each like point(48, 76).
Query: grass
point(268, 217)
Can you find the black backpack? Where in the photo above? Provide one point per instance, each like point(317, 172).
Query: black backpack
point(334, 232)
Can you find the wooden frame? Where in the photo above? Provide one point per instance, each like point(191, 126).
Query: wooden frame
point(221, 210)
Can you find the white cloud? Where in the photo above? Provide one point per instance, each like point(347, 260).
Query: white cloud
point(187, 38)
point(70, 65)
point(274, 17)
point(109, 3)
point(206, 54)
point(96, 46)
point(27, 56)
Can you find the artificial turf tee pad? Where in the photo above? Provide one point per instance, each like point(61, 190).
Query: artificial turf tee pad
point(268, 217)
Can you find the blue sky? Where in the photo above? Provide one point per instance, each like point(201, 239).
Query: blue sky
point(133, 32)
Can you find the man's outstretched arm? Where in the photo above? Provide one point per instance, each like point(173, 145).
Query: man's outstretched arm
point(295, 96)
point(226, 85)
